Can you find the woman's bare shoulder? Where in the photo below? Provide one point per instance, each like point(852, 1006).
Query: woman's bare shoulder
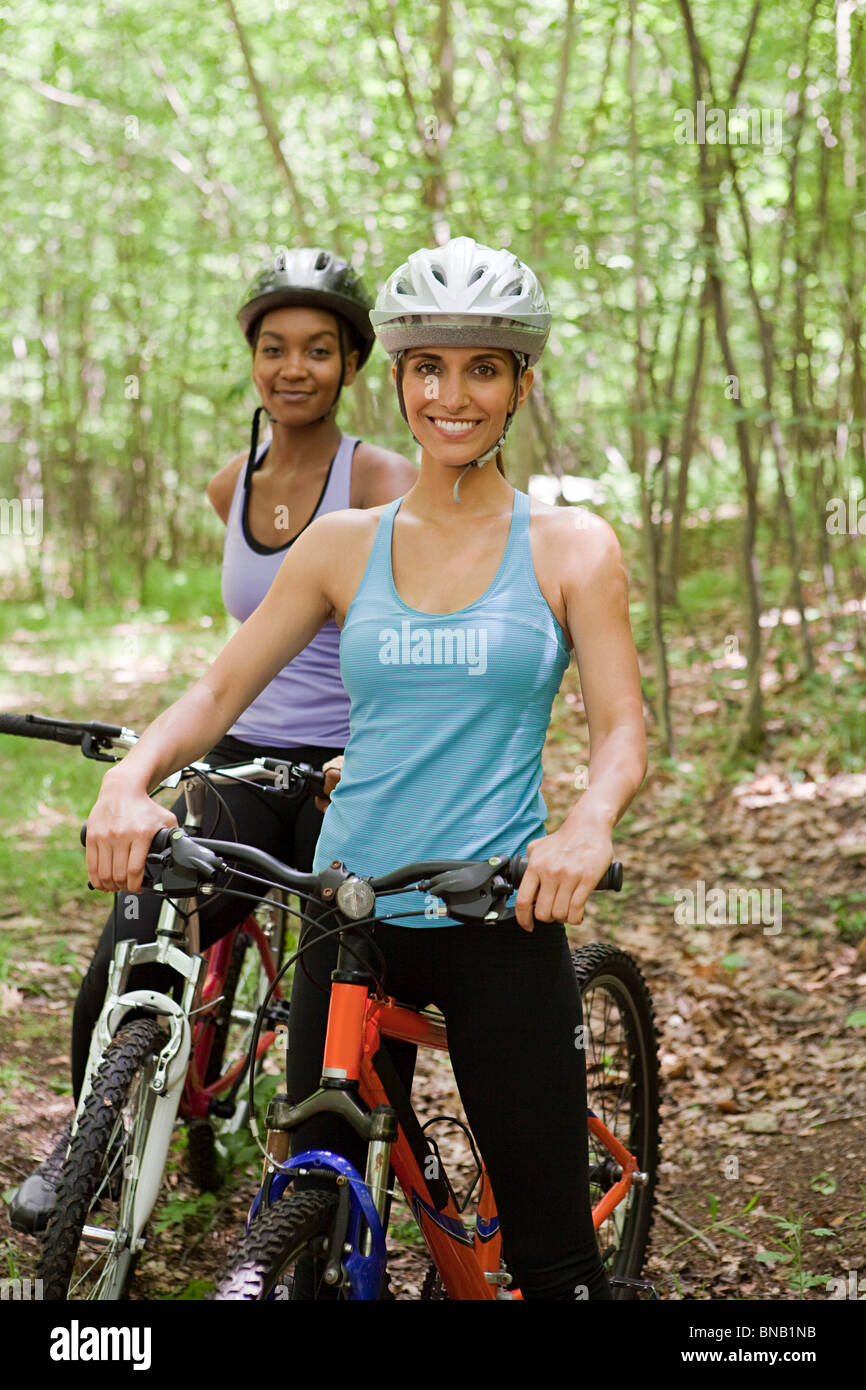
point(379, 475)
point(348, 521)
point(574, 528)
point(343, 533)
point(221, 487)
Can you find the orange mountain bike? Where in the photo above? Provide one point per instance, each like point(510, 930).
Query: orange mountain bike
point(339, 1230)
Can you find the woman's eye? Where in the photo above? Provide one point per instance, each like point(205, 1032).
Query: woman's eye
point(486, 369)
point(426, 368)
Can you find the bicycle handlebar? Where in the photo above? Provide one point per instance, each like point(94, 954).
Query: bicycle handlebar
point(610, 881)
point(93, 738)
point(467, 886)
point(31, 726)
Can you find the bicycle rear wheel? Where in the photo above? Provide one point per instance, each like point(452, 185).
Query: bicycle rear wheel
point(87, 1253)
point(292, 1233)
point(622, 1080)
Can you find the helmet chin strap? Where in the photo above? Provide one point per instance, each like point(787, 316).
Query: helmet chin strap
point(494, 449)
point(254, 444)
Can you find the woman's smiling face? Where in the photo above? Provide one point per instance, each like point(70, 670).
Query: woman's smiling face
point(457, 399)
point(297, 365)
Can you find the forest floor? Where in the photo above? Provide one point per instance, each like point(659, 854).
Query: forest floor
point(762, 1024)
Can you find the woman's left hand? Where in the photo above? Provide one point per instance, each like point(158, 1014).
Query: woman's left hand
point(563, 870)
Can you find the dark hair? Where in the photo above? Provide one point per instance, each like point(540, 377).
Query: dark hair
point(499, 462)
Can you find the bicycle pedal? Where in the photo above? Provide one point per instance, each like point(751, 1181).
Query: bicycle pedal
point(639, 1285)
point(278, 1012)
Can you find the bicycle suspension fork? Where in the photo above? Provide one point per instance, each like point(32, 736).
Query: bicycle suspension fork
point(338, 1090)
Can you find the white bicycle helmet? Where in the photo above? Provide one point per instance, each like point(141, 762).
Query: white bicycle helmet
point(463, 294)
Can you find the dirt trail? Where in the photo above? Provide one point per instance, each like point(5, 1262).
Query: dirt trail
point(760, 1005)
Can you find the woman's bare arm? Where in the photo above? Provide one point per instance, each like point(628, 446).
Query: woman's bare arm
point(299, 603)
point(565, 866)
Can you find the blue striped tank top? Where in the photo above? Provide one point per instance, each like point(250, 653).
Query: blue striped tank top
point(447, 722)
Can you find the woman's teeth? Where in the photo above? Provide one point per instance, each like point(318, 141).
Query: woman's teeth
point(456, 426)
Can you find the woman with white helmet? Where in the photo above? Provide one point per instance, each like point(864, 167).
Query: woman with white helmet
point(459, 606)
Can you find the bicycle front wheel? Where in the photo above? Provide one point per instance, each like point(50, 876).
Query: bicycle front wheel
point(283, 1255)
point(622, 1079)
point(87, 1252)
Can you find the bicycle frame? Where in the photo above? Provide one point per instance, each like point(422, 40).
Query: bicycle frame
point(197, 1097)
point(468, 1262)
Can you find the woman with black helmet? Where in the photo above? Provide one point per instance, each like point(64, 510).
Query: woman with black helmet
point(306, 319)
point(444, 758)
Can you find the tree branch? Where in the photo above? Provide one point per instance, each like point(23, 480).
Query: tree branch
point(267, 119)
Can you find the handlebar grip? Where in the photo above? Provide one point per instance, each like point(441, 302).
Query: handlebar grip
point(158, 844)
point(610, 881)
point(310, 778)
point(25, 727)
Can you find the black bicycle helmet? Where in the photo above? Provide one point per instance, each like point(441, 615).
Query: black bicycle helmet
point(315, 277)
point(308, 275)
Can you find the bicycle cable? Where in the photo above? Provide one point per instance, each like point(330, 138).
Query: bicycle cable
point(253, 1046)
point(250, 1055)
point(311, 922)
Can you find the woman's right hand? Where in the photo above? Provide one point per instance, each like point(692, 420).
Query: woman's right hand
point(120, 829)
point(331, 770)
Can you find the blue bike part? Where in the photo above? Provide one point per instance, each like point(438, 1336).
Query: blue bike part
point(365, 1272)
point(451, 1225)
point(486, 1230)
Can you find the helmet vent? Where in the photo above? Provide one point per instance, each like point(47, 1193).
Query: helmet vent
point(477, 274)
point(438, 274)
point(323, 260)
point(515, 287)
point(402, 288)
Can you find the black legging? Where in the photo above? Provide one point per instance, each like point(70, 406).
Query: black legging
point(513, 1014)
point(287, 827)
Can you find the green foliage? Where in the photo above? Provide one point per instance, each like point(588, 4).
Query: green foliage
point(715, 1223)
point(734, 960)
point(789, 1240)
point(129, 378)
point(176, 1211)
point(850, 917)
point(195, 1291)
point(406, 1233)
point(824, 1183)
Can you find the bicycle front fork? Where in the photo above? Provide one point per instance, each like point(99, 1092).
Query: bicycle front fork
point(358, 1239)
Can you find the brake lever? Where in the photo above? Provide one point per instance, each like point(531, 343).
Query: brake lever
point(184, 864)
point(92, 746)
point(161, 874)
point(463, 891)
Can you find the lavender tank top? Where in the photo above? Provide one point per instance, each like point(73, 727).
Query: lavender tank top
point(306, 702)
